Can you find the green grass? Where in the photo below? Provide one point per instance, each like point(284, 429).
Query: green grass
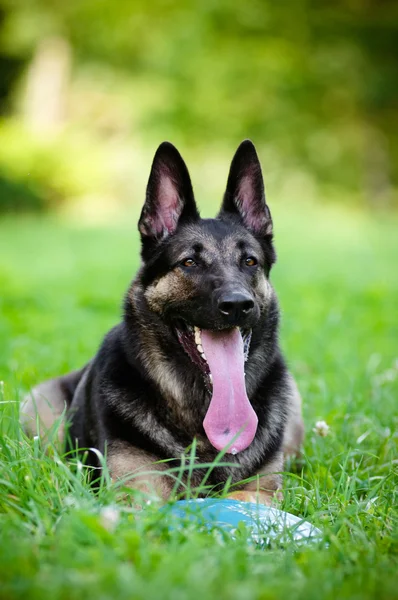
point(337, 281)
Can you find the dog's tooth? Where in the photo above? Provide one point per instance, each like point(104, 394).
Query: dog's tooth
point(198, 337)
point(211, 378)
point(200, 348)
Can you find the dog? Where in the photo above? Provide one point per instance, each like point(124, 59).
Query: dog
point(196, 356)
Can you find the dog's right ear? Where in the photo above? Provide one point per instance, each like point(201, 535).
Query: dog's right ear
point(169, 197)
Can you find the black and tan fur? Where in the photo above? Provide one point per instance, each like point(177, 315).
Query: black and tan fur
point(142, 399)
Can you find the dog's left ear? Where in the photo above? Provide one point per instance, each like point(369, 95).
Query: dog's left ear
point(169, 196)
point(244, 196)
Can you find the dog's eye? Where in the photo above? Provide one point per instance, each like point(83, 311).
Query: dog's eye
point(250, 261)
point(188, 262)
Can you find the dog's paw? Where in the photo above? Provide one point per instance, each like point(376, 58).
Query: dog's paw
point(256, 497)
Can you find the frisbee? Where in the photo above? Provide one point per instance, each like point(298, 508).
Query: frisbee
point(263, 523)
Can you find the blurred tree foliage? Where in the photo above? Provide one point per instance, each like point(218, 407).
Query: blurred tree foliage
point(315, 80)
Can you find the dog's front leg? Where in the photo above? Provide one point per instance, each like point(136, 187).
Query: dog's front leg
point(265, 486)
point(139, 470)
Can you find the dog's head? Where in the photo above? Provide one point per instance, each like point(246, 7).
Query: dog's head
point(208, 278)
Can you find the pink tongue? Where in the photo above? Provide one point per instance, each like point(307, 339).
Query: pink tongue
point(230, 412)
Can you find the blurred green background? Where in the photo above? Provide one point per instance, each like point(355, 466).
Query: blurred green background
point(88, 88)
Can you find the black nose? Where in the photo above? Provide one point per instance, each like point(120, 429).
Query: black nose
point(235, 305)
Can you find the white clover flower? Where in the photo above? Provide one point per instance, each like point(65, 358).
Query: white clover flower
point(109, 517)
point(321, 428)
point(70, 501)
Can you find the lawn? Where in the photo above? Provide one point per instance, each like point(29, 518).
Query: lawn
point(337, 280)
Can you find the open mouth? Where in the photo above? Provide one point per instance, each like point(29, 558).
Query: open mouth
point(221, 354)
point(190, 338)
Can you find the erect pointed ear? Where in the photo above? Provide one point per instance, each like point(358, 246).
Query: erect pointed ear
point(244, 196)
point(169, 196)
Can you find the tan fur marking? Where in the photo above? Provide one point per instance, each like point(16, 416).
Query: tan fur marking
point(171, 287)
point(124, 461)
point(294, 432)
point(260, 497)
point(263, 289)
point(161, 370)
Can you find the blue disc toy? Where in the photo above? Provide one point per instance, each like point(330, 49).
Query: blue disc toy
point(263, 523)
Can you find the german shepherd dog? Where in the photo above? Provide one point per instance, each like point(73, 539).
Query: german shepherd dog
point(196, 354)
